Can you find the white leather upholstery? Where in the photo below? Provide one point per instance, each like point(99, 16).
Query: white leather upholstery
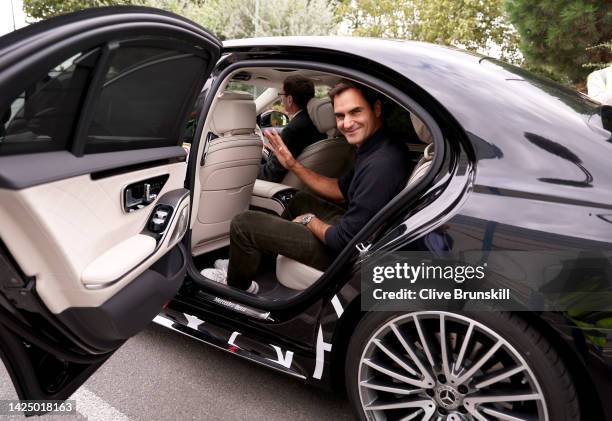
point(421, 129)
point(233, 114)
point(295, 275)
point(321, 112)
point(231, 165)
point(423, 165)
point(331, 157)
point(268, 189)
point(119, 260)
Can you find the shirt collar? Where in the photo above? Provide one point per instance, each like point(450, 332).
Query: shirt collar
point(372, 142)
point(292, 116)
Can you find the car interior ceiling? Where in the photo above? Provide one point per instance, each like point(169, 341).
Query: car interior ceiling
point(226, 176)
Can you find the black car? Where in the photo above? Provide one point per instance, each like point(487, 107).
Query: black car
point(105, 225)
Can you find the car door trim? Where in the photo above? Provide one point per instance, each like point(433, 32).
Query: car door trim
point(46, 167)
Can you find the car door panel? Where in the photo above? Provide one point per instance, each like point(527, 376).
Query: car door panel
point(92, 198)
point(56, 231)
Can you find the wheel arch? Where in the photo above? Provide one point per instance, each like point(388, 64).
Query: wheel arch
point(590, 405)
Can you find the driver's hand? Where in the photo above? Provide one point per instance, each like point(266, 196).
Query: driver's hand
point(284, 156)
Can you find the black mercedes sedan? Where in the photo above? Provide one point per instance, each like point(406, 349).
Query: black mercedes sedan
point(106, 222)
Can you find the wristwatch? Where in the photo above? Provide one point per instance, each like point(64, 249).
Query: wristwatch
point(307, 218)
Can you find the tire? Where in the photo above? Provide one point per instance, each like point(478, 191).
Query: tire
point(389, 374)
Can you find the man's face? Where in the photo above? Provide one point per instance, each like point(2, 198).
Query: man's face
point(355, 119)
point(287, 102)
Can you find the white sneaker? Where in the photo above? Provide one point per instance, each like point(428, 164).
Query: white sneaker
point(222, 264)
point(217, 275)
point(253, 288)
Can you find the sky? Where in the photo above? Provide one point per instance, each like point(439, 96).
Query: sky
point(6, 15)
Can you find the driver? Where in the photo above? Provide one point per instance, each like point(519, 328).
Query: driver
point(314, 229)
point(300, 132)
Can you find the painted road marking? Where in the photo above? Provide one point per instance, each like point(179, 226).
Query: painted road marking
point(94, 408)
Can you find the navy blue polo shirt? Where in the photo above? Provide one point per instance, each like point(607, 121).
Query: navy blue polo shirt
point(381, 171)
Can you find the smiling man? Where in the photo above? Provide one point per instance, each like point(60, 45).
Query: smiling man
point(314, 229)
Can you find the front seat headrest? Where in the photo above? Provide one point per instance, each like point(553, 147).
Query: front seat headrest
point(321, 112)
point(234, 114)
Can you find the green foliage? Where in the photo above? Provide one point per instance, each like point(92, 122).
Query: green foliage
point(225, 18)
point(607, 46)
point(555, 34)
point(43, 9)
point(476, 25)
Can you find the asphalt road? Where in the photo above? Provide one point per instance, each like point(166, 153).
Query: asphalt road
point(162, 375)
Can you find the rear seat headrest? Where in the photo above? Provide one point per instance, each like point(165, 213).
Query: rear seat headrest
point(234, 114)
point(421, 129)
point(321, 112)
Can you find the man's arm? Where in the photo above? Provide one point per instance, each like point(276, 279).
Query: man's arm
point(324, 186)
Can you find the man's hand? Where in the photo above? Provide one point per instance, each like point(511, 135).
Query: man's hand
point(316, 226)
point(323, 186)
point(284, 156)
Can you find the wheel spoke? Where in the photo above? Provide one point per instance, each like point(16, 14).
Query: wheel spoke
point(504, 415)
point(389, 387)
point(425, 404)
point(472, 370)
point(389, 372)
point(464, 346)
point(444, 347)
point(427, 376)
point(426, 344)
point(395, 358)
point(506, 397)
point(412, 416)
point(497, 376)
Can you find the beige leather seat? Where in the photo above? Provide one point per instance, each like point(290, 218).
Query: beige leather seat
point(298, 276)
point(332, 156)
point(231, 165)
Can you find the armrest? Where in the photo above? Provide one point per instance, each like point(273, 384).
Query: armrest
point(119, 260)
point(268, 189)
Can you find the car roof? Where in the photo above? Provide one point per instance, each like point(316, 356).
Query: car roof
point(500, 107)
point(476, 89)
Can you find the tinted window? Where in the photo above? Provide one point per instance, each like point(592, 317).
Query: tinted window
point(145, 98)
point(42, 117)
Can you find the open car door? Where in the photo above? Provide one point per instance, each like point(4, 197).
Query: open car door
point(93, 106)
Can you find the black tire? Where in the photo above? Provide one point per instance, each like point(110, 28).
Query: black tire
point(546, 365)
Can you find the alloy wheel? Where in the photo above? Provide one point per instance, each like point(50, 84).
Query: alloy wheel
point(436, 365)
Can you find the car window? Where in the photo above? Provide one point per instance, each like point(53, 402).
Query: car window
point(145, 89)
point(42, 117)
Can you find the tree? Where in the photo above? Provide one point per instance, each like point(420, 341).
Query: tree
point(225, 18)
point(555, 35)
point(476, 25)
point(43, 9)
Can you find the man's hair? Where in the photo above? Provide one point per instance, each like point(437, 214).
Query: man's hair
point(345, 84)
point(300, 88)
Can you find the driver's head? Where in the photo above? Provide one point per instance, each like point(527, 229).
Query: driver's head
point(358, 111)
point(297, 91)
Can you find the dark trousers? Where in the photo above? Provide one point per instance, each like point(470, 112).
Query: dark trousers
point(253, 234)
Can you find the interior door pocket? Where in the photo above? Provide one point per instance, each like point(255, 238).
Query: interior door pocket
point(133, 307)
